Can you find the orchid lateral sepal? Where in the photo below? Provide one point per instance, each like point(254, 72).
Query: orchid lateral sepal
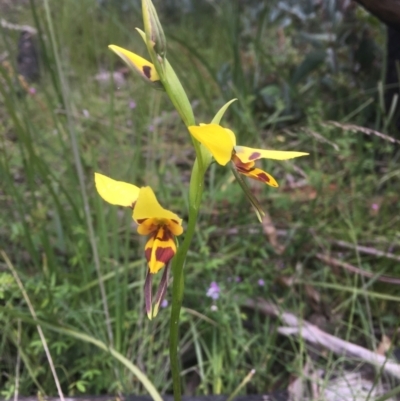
point(151, 310)
point(148, 294)
point(162, 290)
point(249, 195)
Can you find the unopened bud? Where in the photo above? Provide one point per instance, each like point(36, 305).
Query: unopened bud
point(152, 26)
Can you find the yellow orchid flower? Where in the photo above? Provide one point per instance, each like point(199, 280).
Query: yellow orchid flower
point(221, 142)
point(160, 225)
point(144, 68)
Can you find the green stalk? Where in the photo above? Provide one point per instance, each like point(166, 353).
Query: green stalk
point(196, 188)
point(155, 41)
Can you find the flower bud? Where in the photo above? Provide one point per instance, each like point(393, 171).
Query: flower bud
point(154, 32)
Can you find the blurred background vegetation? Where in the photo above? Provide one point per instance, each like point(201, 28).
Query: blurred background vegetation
point(308, 75)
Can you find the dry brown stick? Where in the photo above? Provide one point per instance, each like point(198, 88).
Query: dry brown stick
point(9, 25)
point(315, 335)
point(366, 249)
point(347, 266)
point(364, 130)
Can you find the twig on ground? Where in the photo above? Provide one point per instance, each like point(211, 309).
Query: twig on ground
point(364, 130)
point(315, 335)
point(9, 25)
point(366, 249)
point(347, 266)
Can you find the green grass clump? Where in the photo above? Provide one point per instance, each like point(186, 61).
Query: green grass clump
point(81, 261)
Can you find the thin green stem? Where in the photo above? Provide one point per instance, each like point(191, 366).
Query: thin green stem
point(178, 283)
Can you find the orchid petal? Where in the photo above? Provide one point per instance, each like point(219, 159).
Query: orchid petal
point(116, 192)
point(260, 175)
point(145, 69)
point(249, 154)
point(160, 249)
point(216, 139)
point(147, 207)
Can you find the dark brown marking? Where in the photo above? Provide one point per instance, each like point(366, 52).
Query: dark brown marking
point(164, 255)
point(140, 221)
point(254, 156)
point(263, 177)
point(147, 71)
point(147, 254)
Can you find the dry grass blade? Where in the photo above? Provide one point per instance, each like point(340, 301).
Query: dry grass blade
point(347, 266)
point(366, 249)
point(9, 25)
point(314, 335)
point(364, 130)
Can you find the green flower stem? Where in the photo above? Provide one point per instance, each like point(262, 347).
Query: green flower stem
point(196, 192)
point(178, 97)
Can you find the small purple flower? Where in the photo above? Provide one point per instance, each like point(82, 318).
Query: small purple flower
point(32, 90)
point(164, 303)
point(238, 279)
point(151, 128)
point(213, 291)
point(132, 104)
point(375, 206)
point(261, 282)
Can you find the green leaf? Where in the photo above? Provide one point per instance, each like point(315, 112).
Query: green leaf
point(221, 112)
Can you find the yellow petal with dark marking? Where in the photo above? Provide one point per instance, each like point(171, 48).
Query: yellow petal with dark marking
point(260, 175)
point(160, 249)
point(147, 207)
point(146, 69)
point(250, 171)
point(249, 154)
point(147, 226)
point(116, 192)
point(216, 139)
point(175, 227)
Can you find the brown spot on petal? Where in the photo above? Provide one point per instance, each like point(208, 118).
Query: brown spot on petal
point(147, 254)
point(164, 255)
point(140, 221)
point(147, 71)
point(254, 156)
point(263, 177)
